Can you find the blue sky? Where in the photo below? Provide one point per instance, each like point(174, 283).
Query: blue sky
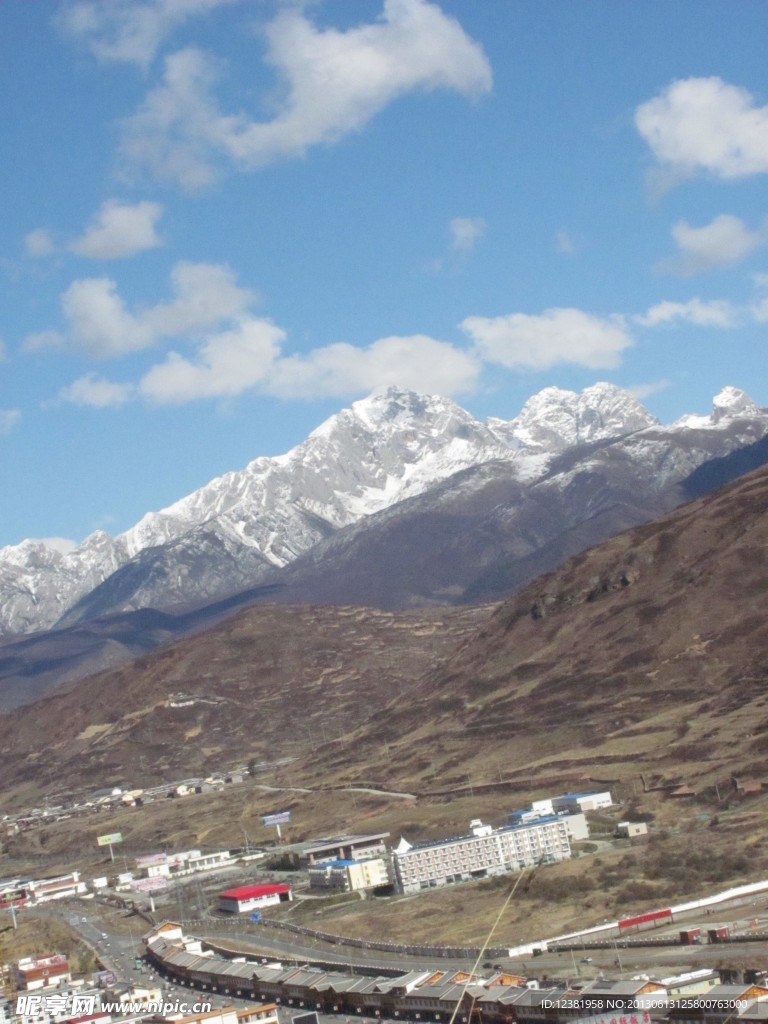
point(223, 220)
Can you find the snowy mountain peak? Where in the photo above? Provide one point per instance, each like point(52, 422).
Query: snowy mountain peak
point(729, 404)
point(394, 404)
point(391, 445)
point(31, 552)
point(555, 419)
point(396, 410)
point(732, 402)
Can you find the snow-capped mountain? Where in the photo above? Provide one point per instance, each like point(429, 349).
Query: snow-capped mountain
point(237, 530)
point(554, 419)
point(482, 533)
point(365, 458)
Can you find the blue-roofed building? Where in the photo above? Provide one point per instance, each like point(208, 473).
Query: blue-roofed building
point(575, 802)
point(575, 821)
point(347, 875)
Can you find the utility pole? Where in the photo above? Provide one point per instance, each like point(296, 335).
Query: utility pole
point(618, 958)
point(576, 970)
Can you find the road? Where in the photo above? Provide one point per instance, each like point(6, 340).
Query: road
point(118, 952)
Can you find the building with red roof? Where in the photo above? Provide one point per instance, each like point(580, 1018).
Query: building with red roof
point(254, 897)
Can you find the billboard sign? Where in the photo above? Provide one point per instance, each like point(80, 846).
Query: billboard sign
point(279, 818)
point(151, 858)
point(103, 978)
point(109, 840)
point(305, 1018)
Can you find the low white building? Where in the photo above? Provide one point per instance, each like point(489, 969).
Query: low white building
point(187, 862)
point(345, 847)
point(575, 802)
point(248, 898)
point(265, 1013)
point(41, 890)
point(631, 829)
point(542, 807)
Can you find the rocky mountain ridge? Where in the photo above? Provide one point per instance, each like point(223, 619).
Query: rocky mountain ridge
point(390, 448)
point(381, 450)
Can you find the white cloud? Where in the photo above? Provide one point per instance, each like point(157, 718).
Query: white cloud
point(179, 133)
point(227, 364)
point(42, 340)
point(465, 232)
point(8, 420)
point(714, 313)
point(759, 308)
point(39, 243)
point(61, 544)
point(554, 336)
point(128, 30)
point(96, 392)
point(722, 243)
point(120, 230)
point(641, 391)
point(705, 125)
point(334, 82)
point(564, 243)
point(206, 294)
point(99, 322)
point(417, 362)
point(247, 358)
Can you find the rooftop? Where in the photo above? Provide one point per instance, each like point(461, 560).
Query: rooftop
point(338, 863)
point(526, 826)
point(246, 892)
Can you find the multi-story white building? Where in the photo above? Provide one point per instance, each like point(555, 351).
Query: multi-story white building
point(349, 875)
point(575, 823)
point(483, 852)
point(31, 973)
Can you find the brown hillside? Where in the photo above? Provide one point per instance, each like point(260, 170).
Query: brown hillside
point(647, 654)
point(272, 682)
